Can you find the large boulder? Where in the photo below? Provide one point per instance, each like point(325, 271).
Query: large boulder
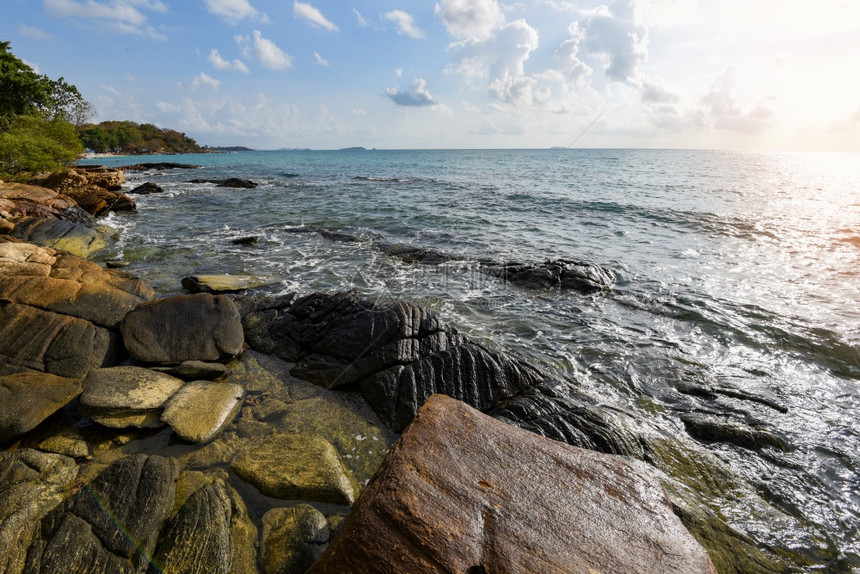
point(22, 200)
point(121, 397)
point(28, 398)
point(293, 538)
point(201, 409)
point(110, 524)
point(32, 483)
point(398, 354)
point(462, 492)
point(32, 339)
point(184, 328)
point(69, 236)
point(54, 281)
point(95, 189)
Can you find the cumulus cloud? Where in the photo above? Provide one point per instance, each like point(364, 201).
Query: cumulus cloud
point(470, 19)
point(724, 110)
point(265, 51)
point(204, 79)
point(312, 15)
point(320, 60)
point(234, 11)
point(33, 32)
point(220, 63)
point(417, 96)
point(567, 55)
point(123, 16)
point(615, 33)
point(405, 24)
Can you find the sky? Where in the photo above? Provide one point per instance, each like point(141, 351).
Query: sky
point(388, 74)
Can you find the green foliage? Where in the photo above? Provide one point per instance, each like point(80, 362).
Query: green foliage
point(31, 144)
point(132, 138)
point(24, 92)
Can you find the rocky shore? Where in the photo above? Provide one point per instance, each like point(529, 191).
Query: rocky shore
point(227, 431)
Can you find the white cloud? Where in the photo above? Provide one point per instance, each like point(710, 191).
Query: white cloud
point(362, 21)
point(724, 110)
point(265, 51)
point(417, 96)
point(567, 56)
point(654, 93)
point(168, 108)
point(405, 24)
point(204, 79)
point(120, 15)
point(398, 72)
point(616, 34)
point(220, 63)
point(320, 60)
point(313, 15)
point(33, 32)
point(470, 19)
point(234, 11)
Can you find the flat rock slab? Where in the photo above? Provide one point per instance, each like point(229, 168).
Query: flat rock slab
point(127, 389)
point(75, 238)
point(194, 370)
point(462, 492)
point(296, 467)
point(28, 398)
point(200, 409)
point(200, 327)
point(220, 283)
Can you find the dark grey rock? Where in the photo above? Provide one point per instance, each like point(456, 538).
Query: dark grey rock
point(147, 188)
point(293, 538)
point(229, 182)
point(724, 429)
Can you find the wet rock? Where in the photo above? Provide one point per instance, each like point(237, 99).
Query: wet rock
point(127, 396)
point(400, 353)
point(580, 276)
point(296, 467)
point(158, 166)
point(146, 189)
point(462, 492)
point(28, 398)
point(201, 409)
point(724, 429)
point(411, 254)
point(183, 328)
point(68, 442)
point(68, 236)
point(293, 538)
point(229, 182)
point(31, 339)
point(194, 370)
point(111, 524)
point(32, 483)
point(54, 281)
point(243, 536)
point(220, 283)
point(249, 240)
point(197, 539)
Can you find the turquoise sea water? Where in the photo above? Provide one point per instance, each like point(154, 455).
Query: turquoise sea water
point(738, 271)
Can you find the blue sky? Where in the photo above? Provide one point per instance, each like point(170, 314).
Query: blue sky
point(735, 74)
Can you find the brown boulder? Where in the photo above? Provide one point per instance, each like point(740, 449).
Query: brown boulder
point(462, 492)
point(27, 399)
point(94, 189)
point(198, 327)
point(21, 200)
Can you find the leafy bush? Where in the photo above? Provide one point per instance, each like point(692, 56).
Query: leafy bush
point(31, 144)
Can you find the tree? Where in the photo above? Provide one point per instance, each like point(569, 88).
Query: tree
point(31, 144)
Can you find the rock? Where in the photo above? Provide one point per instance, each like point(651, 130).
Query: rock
point(220, 283)
point(120, 397)
point(293, 538)
point(6, 227)
point(201, 409)
point(68, 442)
point(400, 353)
point(462, 492)
point(97, 201)
point(111, 524)
point(243, 536)
point(33, 483)
point(124, 420)
point(147, 188)
point(22, 200)
point(296, 467)
point(31, 339)
point(197, 539)
point(28, 398)
point(199, 327)
point(45, 278)
point(249, 240)
point(158, 166)
point(580, 276)
point(723, 429)
point(94, 189)
point(194, 370)
point(75, 238)
point(410, 254)
point(229, 182)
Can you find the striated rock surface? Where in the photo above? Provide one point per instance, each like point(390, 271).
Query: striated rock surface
point(200, 409)
point(54, 281)
point(32, 483)
point(28, 398)
point(197, 539)
point(22, 200)
point(32, 339)
point(581, 276)
point(296, 467)
point(458, 493)
point(399, 354)
point(293, 538)
point(95, 189)
point(182, 328)
point(195, 370)
point(61, 234)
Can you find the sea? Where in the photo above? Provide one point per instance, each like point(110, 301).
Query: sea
point(735, 271)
